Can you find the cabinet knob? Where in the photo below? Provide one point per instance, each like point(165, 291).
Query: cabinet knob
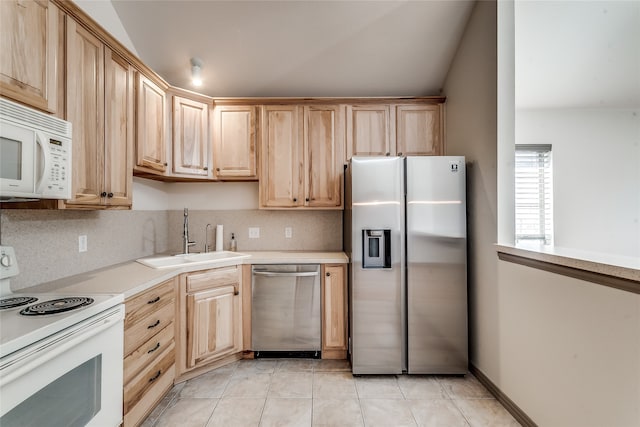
point(206, 168)
point(295, 200)
point(387, 154)
point(166, 164)
point(307, 199)
point(218, 169)
point(399, 154)
point(328, 274)
point(103, 194)
point(110, 195)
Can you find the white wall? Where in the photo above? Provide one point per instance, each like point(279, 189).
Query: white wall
point(596, 175)
point(471, 90)
point(218, 196)
point(103, 12)
point(567, 352)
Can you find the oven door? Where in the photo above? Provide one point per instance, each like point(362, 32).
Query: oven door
point(73, 378)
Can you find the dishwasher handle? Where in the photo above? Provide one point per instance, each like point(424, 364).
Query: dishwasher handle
point(285, 274)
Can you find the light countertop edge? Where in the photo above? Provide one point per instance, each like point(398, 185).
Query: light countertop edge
point(131, 278)
point(627, 268)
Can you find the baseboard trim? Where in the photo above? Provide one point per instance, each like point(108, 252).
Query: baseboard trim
point(508, 404)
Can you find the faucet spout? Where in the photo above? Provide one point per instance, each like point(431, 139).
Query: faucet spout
point(186, 244)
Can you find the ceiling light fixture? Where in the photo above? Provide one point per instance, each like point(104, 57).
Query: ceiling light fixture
point(196, 71)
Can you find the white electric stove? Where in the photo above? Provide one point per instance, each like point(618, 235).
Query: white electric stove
point(60, 355)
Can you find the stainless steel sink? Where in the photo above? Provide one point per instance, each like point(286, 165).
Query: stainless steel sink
point(179, 260)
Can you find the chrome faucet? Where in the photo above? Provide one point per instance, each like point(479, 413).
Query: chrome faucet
point(185, 233)
point(207, 247)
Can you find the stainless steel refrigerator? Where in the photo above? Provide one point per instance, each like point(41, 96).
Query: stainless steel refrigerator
point(405, 233)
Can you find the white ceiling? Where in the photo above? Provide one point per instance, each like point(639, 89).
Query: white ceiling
point(583, 54)
point(299, 48)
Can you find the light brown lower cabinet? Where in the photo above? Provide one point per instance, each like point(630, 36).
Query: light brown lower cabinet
point(149, 350)
point(334, 311)
point(210, 317)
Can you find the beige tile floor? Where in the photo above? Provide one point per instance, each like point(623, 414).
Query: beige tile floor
point(306, 392)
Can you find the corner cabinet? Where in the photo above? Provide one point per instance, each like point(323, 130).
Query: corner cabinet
point(210, 317)
point(32, 51)
point(151, 150)
point(100, 108)
point(234, 142)
point(302, 157)
point(334, 311)
point(191, 146)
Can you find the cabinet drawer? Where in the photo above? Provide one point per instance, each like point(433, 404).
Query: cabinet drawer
point(212, 278)
point(144, 383)
point(145, 354)
point(139, 307)
point(145, 405)
point(142, 331)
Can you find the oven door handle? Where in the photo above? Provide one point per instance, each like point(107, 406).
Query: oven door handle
point(17, 364)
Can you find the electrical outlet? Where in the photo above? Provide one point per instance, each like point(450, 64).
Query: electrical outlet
point(254, 232)
point(82, 243)
point(288, 232)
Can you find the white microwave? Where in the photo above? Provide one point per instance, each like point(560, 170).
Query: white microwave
point(35, 154)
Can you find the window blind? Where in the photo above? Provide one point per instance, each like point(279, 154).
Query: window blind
point(534, 194)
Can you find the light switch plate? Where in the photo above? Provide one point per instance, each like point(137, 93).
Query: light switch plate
point(288, 232)
point(254, 232)
point(82, 243)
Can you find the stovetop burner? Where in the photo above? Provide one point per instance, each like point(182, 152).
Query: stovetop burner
point(12, 302)
point(56, 306)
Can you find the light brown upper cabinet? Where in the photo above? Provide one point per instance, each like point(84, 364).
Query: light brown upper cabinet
point(323, 132)
point(368, 130)
point(395, 130)
point(191, 147)
point(281, 174)
point(100, 108)
point(31, 52)
point(151, 150)
point(302, 157)
point(234, 142)
point(419, 130)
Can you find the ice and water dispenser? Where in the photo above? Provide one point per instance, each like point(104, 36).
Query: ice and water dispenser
point(376, 248)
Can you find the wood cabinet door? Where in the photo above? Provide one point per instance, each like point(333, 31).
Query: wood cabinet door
point(85, 111)
point(118, 118)
point(418, 130)
point(150, 123)
point(369, 131)
point(190, 137)
point(213, 322)
point(334, 312)
point(30, 44)
point(281, 172)
point(323, 154)
point(234, 142)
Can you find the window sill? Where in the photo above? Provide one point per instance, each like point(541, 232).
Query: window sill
point(608, 270)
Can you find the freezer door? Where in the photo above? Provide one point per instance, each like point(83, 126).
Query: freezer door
point(436, 265)
point(376, 292)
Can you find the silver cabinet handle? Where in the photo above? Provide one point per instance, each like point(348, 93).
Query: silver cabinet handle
point(274, 274)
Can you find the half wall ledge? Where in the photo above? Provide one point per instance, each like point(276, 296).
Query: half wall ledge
point(617, 272)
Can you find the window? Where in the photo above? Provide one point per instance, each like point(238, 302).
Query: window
point(534, 194)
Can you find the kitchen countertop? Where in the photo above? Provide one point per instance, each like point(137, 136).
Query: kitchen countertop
point(130, 278)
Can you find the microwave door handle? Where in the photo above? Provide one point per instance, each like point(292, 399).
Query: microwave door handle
point(44, 162)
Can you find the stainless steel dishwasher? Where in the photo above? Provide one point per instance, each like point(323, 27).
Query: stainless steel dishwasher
point(285, 310)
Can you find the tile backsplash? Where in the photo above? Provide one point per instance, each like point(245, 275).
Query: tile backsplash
point(311, 230)
point(46, 242)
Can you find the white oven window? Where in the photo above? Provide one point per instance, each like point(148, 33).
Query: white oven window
point(71, 400)
point(10, 158)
